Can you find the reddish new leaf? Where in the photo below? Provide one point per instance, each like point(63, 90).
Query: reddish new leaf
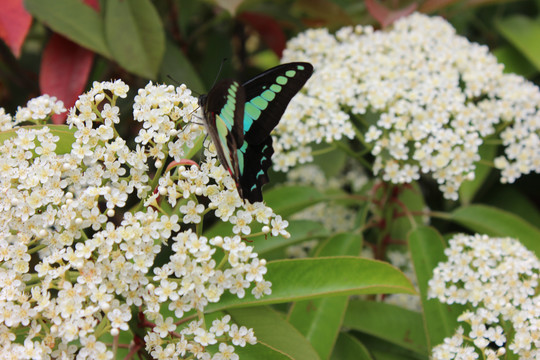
point(268, 29)
point(386, 16)
point(14, 24)
point(65, 67)
point(93, 4)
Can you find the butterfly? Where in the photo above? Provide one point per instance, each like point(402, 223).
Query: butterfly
point(239, 119)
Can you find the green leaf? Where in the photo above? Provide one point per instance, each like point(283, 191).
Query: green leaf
point(522, 32)
point(468, 189)
point(217, 47)
point(135, 36)
point(514, 61)
point(332, 162)
point(287, 200)
point(498, 223)
point(319, 320)
point(512, 200)
point(66, 135)
point(350, 348)
point(412, 200)
point(391, 323)
point(385, 350)
point(302, 279)
point(176, 66)
point(260, 351)
point(197, 145)
point(341, 244)
point(362, 215)
point(274, 332)
point(427, 249)
point(73, 19)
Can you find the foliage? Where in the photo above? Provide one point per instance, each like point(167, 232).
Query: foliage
point(401, 221)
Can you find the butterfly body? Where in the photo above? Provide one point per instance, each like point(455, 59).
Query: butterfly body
point(239, 119)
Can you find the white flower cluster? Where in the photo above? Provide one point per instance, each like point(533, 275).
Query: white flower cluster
point(74, 265)
point(499, 278)
point(36, 110)
point(421, 98)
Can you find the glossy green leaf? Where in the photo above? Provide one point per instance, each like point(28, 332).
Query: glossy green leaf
point(362, 215)
point(522, 32)
point(469, 189)
point(514, 61)
point(260, 351)
point(73, 19)
point(302, 279)
point(218, 48)
point(65, 134)
point(135, 36)
point(381, 349)
point(412, 200)
point(341, 244)
point(350, 348)
point(197, 145)
point(498, 223)
point(274, 332)
point(177, 67)
point(512, 200)
point(391, 323)
point(287, 200)
point(427, 249)
point(319, 320)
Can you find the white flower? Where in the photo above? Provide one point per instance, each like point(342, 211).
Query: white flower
point(191, 211)
point(499, 277)
point(93, 253)
point(431, 113)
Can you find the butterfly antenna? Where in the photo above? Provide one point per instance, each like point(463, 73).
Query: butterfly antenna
point(173, 79)
point(219, 72)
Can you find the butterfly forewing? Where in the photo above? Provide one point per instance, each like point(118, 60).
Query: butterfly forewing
point(267, 97)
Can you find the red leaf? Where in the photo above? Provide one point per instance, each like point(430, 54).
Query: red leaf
point(386, 16)
point(65, 67)
point(14, 24)
point(93, 4)
point(268, 29)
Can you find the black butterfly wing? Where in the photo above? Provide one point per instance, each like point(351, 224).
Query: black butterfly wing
point(223, 110)
point(267, 97)
point(256, 160)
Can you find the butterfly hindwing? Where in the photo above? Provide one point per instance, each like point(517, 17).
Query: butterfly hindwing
point(239, 120)
point(257, 159)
